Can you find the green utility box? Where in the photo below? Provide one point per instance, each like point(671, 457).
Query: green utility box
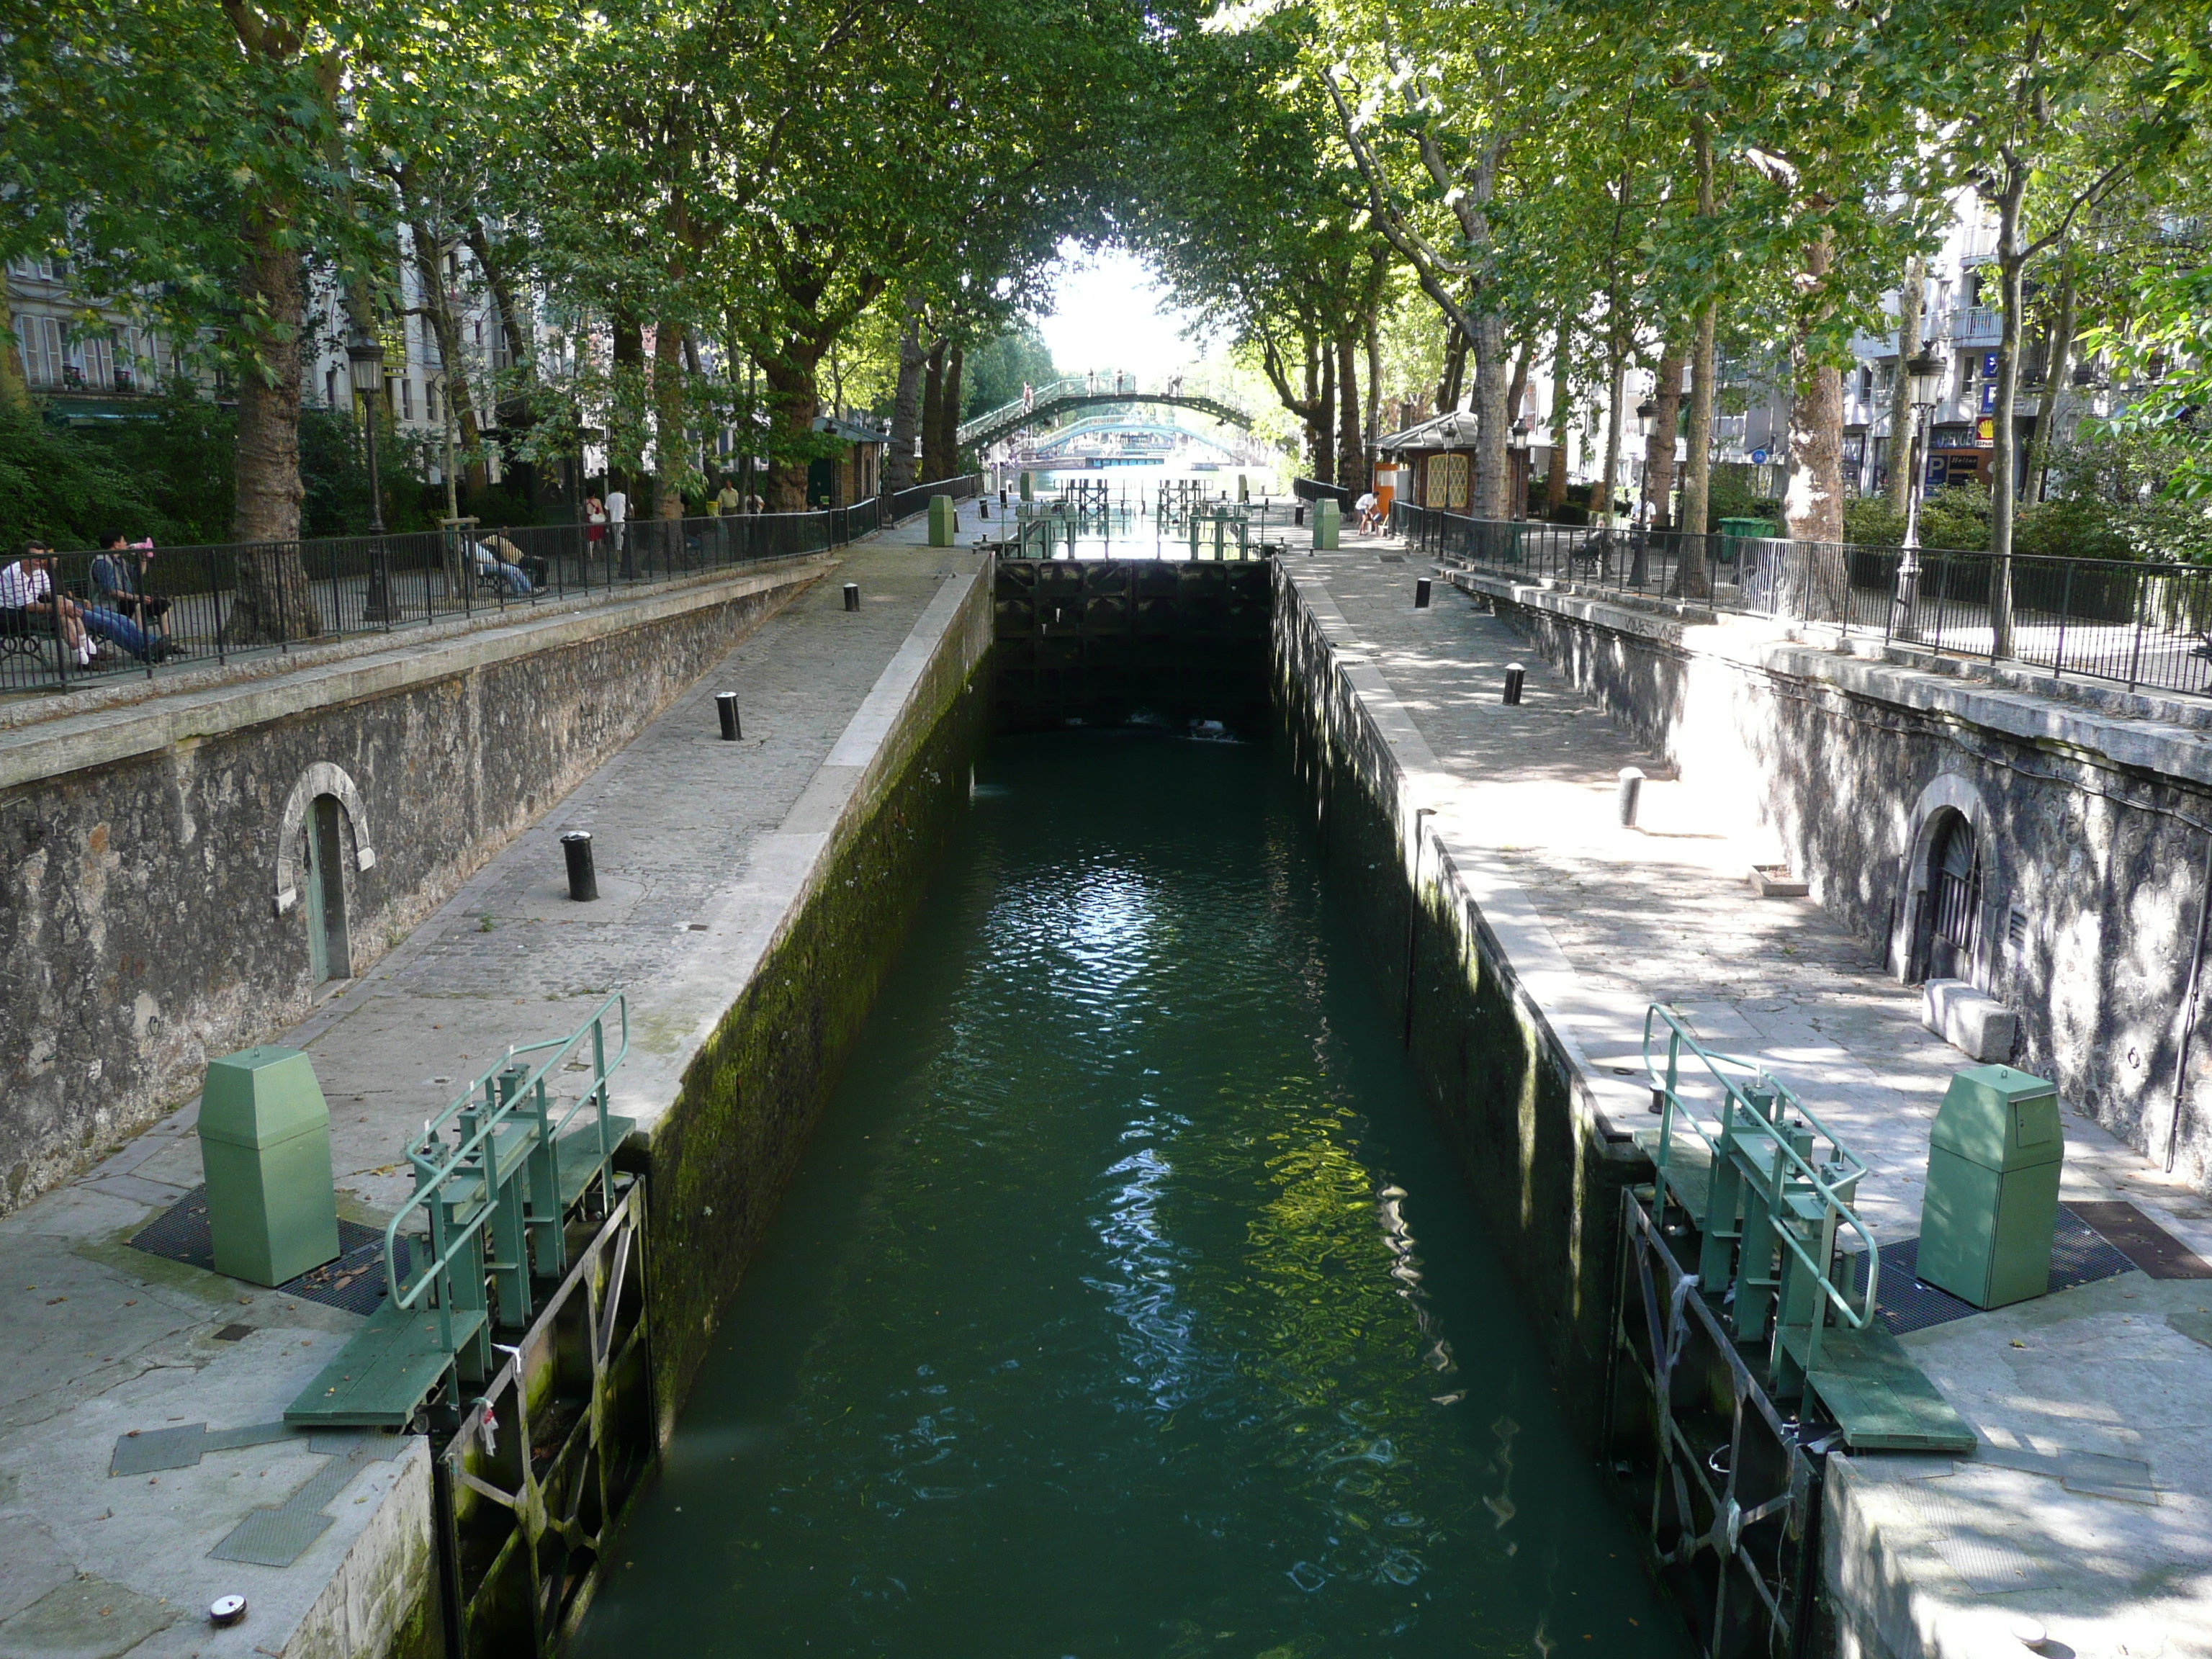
point(1991, 1200)
point(942, 520)
point(266, 1144)
point(1029, 486)
point(1753, 527)
point(1328, 519)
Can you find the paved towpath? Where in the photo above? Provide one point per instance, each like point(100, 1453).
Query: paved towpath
point(105, 1341)
point(2121, 1370)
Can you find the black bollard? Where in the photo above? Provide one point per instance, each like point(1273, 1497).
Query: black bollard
point(1513, 676)
point(1421, 593)
point(725, 705)
point(851, 596)
point(583, 880)
point(983, 508)
point(1299, 515)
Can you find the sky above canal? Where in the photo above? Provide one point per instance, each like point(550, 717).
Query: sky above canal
point(1111, 313)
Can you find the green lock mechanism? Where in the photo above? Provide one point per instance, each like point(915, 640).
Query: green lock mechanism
point(265, 1145)
point(1991, 1200)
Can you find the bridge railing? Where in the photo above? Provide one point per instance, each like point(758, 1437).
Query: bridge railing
point(1067, 385)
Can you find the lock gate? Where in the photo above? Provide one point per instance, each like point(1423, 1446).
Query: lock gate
point(1746, 1345)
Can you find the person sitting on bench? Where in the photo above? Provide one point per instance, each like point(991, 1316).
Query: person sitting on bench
point(28, 604)
point(490, 563)
point(118, 573)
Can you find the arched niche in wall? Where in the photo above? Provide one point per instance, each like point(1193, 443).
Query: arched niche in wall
point(1946, 919)
point(323, 778)
point(323, 806)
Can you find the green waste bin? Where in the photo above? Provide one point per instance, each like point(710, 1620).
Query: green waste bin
point(1991, 1200)
point(1327, 521)
point(1029, 486)
point(942, 521)
point(1742, 527)
point(265, 1145)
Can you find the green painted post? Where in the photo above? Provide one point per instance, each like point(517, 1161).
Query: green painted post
point(941, 520)
point(1328, 522)
point(265, 1146)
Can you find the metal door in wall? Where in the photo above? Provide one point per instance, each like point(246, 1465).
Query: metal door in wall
point(1955, 890)
point(330, 953)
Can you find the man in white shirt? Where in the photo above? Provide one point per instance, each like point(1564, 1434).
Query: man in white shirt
point(1366, 507)
point(617, 516)
point(28, 601)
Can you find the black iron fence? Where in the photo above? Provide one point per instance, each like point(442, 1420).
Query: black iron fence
point(905, 503)
point(2141, 625)
point(1311, 489)
point(127, 613)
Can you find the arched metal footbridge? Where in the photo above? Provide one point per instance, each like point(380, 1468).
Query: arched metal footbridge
point(1066, 395)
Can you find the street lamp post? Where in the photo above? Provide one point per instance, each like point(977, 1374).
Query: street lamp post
point(1923, 376)
point(365, 362)
point(1516, 441)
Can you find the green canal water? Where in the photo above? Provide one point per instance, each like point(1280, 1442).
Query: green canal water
point(1128, 1302)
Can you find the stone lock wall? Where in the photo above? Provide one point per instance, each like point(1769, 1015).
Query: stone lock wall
point(1544, 1164)
point(151, 860)
point(2092, 813)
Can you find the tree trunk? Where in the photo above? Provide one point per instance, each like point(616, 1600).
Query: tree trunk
point(1492, 375)
point(1447, 389)
point(1321, 433)
point(1814, 580)
point(1903, 418)
point(1814, 503)
point(1659, 448)
point(1374, 422)
point(906, 408)
point(1616, 388)
point(1351, 453)
point(933, 413)
point(446, 330)
point(2056, 369)
point(502, 296)
point(791, 408)
point(273, 600)
point(2004, 470)
point(626, 400)
point(956, 362)
point(1691, 579)
point(672, 450)
point(1555, 482)
point(15, 391)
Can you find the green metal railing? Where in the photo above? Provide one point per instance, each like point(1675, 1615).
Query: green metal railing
point(1764, 1192)
point(502, 1174)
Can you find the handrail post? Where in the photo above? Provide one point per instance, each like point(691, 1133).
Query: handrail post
point(2135, 656)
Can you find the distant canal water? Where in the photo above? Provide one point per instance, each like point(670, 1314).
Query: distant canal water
point(1127, 1303)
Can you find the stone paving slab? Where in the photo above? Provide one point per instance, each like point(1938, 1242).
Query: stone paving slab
point(701, 845)
point(2121, 1370)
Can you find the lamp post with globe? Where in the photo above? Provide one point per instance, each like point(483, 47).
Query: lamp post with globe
point(365, 362)
point(1923, 376)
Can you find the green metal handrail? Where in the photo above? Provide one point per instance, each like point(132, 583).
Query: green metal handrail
point(1718, 1067)
point(432, 1175)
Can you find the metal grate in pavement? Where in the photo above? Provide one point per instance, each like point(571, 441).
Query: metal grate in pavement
point(2078, 1256)
point(354, 1282)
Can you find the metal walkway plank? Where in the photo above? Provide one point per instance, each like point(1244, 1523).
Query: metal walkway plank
point(1881, 1400)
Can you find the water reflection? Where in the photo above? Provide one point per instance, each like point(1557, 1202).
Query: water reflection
point(1128, 1303)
